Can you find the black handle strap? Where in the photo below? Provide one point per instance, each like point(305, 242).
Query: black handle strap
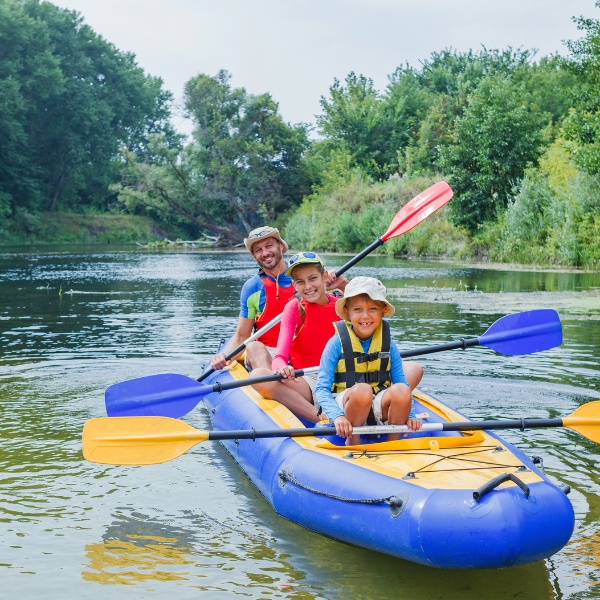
point(492, 484)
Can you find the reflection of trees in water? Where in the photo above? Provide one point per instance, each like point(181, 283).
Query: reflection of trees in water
point(138, 549)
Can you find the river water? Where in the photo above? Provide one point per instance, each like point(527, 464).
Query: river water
point(76, 321)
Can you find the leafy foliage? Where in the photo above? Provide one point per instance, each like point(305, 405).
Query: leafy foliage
point(68, 101)
point(583, 125)
point(242, 167)
point(499, 134)
point(554, 218)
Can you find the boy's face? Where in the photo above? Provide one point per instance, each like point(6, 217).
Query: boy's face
point(364, 314)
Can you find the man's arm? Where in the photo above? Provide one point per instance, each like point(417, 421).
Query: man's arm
point(242, 333)
point(335, 283)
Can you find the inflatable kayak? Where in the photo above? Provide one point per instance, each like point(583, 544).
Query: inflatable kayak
point(448, 500)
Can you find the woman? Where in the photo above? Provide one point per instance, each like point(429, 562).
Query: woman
point(306, 327)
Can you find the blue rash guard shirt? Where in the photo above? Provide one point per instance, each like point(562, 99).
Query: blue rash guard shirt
point(329, 360)
point(253, 297)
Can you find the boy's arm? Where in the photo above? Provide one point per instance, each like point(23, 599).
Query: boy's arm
point(397, 373)
point(329, 359)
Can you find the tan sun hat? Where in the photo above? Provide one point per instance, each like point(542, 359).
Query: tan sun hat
point(262, 233)
point(364, 285)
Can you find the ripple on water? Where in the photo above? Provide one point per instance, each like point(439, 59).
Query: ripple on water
point(197, 524)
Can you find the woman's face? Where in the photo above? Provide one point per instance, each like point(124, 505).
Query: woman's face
point(309, 282)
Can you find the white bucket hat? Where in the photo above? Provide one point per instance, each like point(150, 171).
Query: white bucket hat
point(364, 285)
point(261, 233)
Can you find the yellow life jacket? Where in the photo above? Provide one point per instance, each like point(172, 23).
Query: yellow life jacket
point(356, 366)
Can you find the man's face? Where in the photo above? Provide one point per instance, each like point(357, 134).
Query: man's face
point(267, 253)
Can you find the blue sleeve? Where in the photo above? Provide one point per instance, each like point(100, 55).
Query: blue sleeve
point(329, 360)
point(397, 373)
point(252, 298)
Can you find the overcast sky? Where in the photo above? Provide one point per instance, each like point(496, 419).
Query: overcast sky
point(294, 48)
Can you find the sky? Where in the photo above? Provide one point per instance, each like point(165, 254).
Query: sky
point(294, 49)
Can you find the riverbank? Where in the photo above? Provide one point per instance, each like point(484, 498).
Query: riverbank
point(61, 228)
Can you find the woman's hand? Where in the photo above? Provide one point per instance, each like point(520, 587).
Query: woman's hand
point(288, 373)
point(343, 426)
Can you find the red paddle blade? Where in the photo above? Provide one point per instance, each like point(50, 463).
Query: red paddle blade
point(419, 208)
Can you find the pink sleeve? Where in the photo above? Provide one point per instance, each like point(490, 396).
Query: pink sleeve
point(290, 319)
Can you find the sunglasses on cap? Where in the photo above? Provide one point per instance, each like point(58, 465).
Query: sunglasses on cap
point(261, 234)
point(301, 255)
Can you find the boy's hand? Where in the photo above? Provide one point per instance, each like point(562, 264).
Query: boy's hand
point(288, 372)
point(343, 426)
point(332, 282)
point(414, 424)
point(218, 361)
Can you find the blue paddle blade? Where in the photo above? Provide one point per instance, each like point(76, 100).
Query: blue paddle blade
point(168, 395)
point(524, 333)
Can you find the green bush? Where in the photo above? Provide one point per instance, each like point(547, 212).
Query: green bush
point(350, 217)
point(553, 219)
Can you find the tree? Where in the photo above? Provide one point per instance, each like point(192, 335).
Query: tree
point(70, 100)
point(243, 165)
point(583, 125)
point(498, 136)
point(356, 120)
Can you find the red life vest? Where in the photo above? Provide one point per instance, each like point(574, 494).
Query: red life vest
point(316, 331)
point(276, 299)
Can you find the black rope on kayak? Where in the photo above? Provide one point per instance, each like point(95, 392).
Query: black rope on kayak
point(394, 502)
point(459, 457)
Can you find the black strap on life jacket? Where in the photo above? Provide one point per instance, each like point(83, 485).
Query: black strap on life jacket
point(350, 377)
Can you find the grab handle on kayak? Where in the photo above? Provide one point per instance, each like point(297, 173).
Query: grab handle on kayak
point(479, 493)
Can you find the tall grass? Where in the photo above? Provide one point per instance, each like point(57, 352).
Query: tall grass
point(553, 219)
point(348, 218)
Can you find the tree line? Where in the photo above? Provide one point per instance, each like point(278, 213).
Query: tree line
point(517, 136)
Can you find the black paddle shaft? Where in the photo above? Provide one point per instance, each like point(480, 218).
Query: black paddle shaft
point(378, 242)
point(230, 385)
point(461, 344)
point(252, 434)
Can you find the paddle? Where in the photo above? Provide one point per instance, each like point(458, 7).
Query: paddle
point(514, 335)
point(409, 216)
point(153, 440)
point(173, 395)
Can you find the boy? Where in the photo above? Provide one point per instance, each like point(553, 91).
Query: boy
point(360, 376)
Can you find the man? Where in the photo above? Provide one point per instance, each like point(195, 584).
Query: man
point(263, 298)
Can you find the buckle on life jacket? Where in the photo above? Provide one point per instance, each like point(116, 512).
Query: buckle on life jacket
point(363, 358)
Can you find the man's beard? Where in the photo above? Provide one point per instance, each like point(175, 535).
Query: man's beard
point(273, 262)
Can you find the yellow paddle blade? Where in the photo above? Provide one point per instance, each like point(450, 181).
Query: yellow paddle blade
point(586, 421)
point(138, 440)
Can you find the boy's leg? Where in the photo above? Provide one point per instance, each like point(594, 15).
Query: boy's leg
point(296, 396)
point(357, 405)
point(396, 402)
point(413, 372)
point(257, 356)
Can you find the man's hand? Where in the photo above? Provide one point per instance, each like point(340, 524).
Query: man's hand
point(334, 283)
point(343, 426)
point(218, 361)
point(288, 372)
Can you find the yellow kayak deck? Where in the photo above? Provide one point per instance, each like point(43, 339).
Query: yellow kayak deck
point(467, 461)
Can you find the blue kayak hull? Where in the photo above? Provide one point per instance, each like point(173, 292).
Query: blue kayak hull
point(438, 527)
